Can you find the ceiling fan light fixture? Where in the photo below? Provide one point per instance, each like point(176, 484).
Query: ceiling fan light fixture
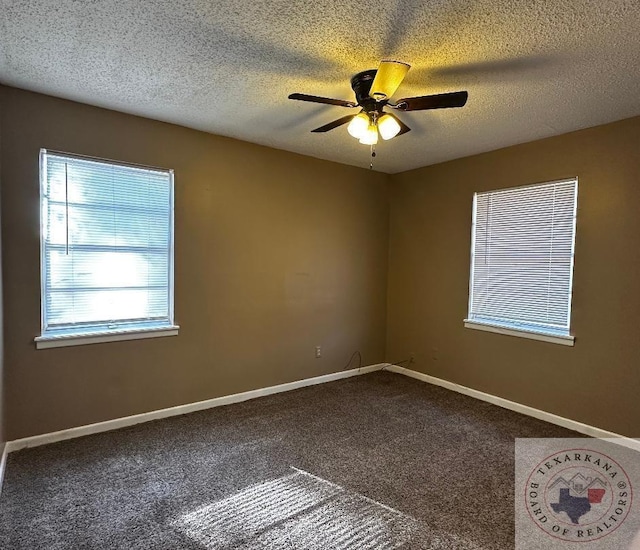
point(388, 126)
point(372, 89)
point(358, 126)
point(370, 137)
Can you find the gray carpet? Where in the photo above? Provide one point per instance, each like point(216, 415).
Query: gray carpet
point(379, 461)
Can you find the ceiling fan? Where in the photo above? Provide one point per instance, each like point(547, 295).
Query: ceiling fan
point(374, 89)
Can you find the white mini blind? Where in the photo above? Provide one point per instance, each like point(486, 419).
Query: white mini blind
point(107, 246)
point(522, 257)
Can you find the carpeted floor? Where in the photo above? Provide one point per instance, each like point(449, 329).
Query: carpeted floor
point(375, 462)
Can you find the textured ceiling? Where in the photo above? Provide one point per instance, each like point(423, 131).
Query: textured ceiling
point(532, 68)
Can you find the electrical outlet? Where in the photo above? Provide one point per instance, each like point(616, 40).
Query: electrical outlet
point(318, 352)
point(412, 357)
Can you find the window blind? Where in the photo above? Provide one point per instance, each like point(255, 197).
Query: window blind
point(522, 257)
point(107, 246)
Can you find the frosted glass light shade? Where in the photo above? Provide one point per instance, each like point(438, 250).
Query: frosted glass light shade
point(370, 137)
point(388, 127)
point(358, 125)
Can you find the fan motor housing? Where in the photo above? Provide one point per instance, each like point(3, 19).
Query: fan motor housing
point(361, 84)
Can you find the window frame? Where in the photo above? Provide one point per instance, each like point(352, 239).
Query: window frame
point(528, 331)
point(100, 333)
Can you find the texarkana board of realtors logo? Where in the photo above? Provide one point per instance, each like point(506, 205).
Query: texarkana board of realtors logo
point(575, 492)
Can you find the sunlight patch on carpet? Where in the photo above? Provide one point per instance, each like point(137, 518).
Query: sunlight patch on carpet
point(297, 511)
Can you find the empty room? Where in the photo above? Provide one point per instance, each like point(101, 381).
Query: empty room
point(320, 275)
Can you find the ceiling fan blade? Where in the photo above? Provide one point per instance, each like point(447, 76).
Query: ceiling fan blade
point(334, 124)
point(389, 76)
point(436, 101)
point(325, 100)
point(403, 127)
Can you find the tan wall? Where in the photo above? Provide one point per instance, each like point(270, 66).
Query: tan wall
point(2, 401)
point(275, 253)
point(597, 381)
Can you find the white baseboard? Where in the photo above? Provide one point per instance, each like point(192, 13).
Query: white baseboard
point(3, 464)
point(108, 425)
point(117, 423)
point(522, 409)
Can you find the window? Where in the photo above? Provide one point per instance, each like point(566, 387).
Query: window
point(522, 260)
point(106, 251)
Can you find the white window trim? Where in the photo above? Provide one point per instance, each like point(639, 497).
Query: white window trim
point(565, 340)
point(60, 341)
point(49, 340)
point(554, 339)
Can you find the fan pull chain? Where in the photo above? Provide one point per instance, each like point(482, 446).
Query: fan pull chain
point(373, 156)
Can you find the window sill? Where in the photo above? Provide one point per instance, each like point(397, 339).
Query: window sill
point(555, 339)
point(43, 342)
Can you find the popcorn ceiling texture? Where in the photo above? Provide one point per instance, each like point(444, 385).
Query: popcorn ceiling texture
point(532, 69)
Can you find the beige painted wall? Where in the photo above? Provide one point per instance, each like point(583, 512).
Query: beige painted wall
point(275, 253)
point(597, 381)
point(2, 401)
